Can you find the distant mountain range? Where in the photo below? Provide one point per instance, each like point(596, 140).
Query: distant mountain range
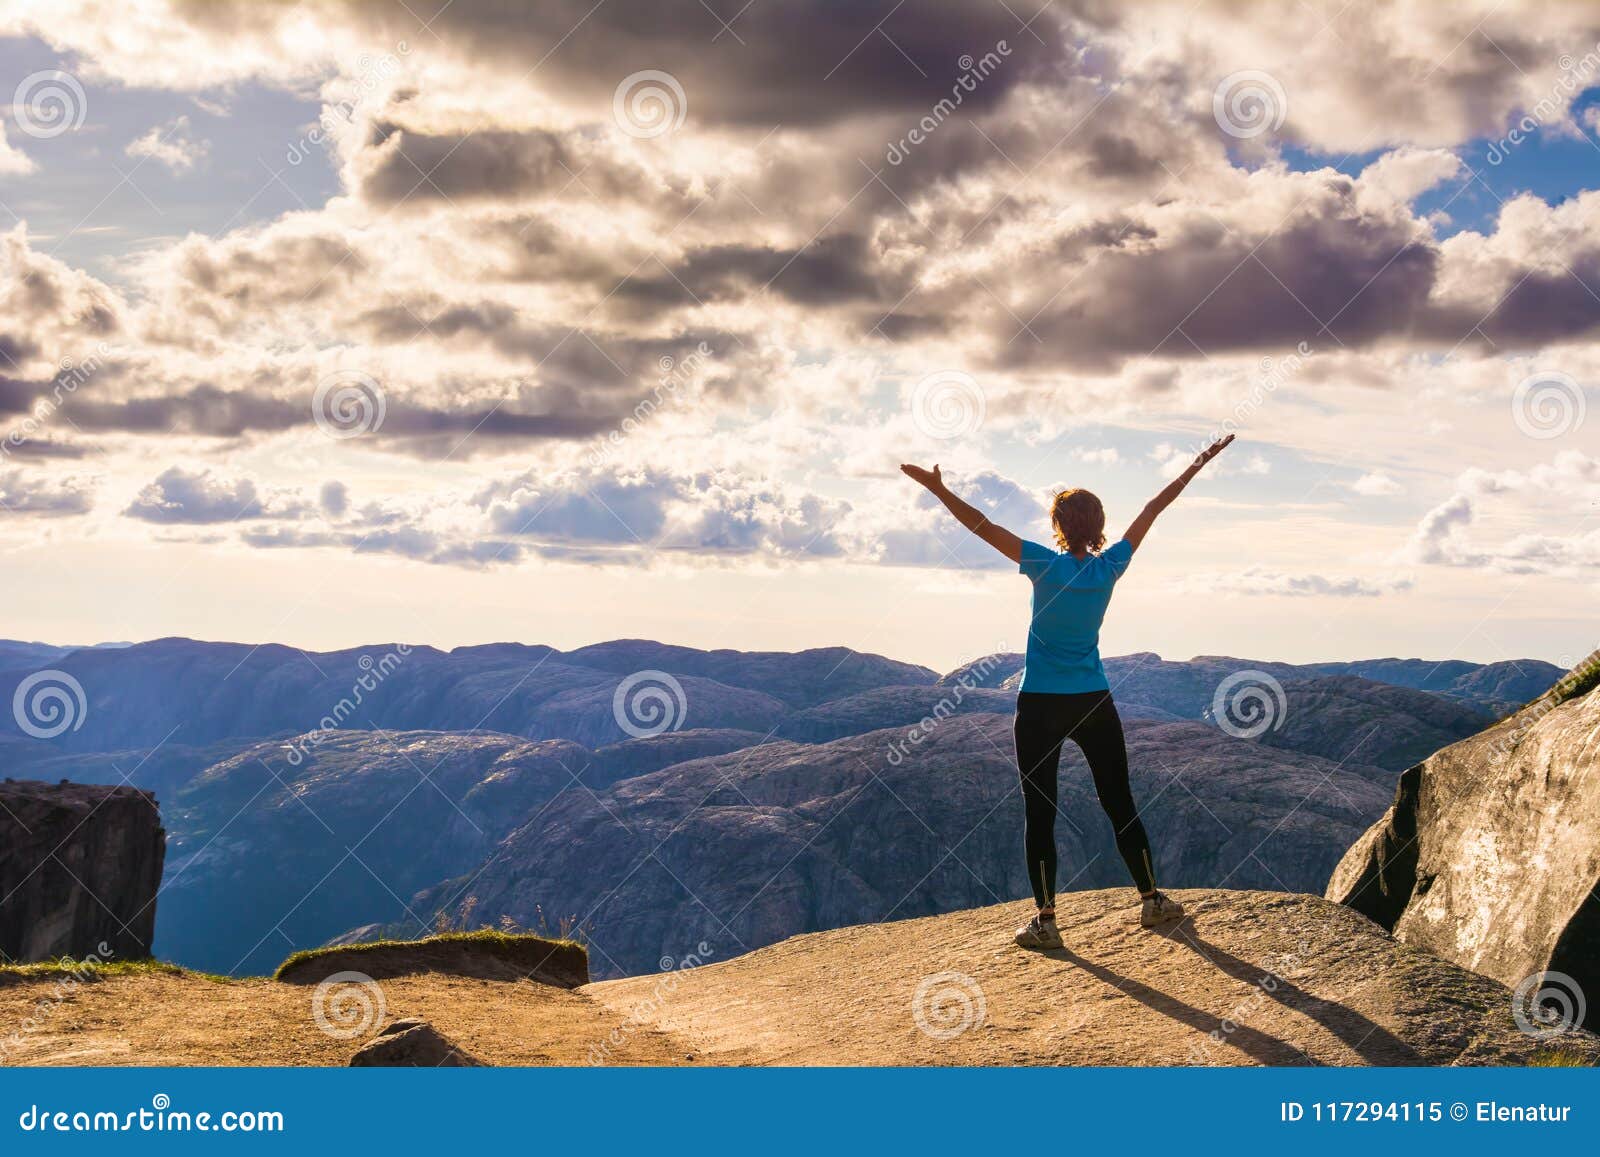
point(309, 794)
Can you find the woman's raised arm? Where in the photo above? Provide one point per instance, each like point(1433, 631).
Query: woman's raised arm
point(1147, 517)
point(968, 515)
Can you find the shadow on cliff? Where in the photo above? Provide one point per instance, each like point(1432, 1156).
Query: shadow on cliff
point(1369, 1040)
point(1366, 1038)
point(1260, 1046)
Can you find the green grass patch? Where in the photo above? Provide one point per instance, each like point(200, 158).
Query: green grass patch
point(66, 966)
point(483, 937)
point(1560, 1059)
point(1583, 681)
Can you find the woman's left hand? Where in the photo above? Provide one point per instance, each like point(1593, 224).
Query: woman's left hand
point(1212, 451)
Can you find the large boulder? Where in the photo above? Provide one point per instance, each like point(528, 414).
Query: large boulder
point(80, 866)
point(1490, 854)
point(486, 954)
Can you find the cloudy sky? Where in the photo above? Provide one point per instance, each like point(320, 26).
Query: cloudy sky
point(451, 322)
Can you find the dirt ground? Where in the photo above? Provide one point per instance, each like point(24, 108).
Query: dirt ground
point(1248, 978)
point(190, 1020)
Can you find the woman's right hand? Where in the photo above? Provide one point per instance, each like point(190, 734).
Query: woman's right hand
point(932, 479)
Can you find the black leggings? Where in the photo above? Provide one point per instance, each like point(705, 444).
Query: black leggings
point(1090, 720)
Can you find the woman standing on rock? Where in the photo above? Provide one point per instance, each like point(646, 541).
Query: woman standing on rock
point(1064, 692)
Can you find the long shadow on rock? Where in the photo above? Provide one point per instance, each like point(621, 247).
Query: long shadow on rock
point(1368, 1039)
point(1260, 1046)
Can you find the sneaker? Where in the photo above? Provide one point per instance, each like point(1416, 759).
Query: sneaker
point(1159, 908)
point(1038, 933)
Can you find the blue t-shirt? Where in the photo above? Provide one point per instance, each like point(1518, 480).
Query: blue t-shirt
point(1069, 602)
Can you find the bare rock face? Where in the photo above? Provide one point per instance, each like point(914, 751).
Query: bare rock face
point(79, 869)
point(413, 1044)
point(1490, 854)
point(742, 850)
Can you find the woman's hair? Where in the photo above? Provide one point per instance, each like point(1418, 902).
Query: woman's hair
point(1079, 521)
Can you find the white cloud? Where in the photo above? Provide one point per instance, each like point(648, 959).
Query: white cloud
point(171, 144)
point(13, 162)
point(24, 494)
point(521, 300)
point(1557, 499)
point(1405, 174)
point(1376, 484)
point(1260, 581)
point(1103, 456)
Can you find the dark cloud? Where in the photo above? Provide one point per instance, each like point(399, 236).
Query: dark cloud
point(423, 431)
point(1536, 307)
point(401, 164)
point(1112, 155)
point(828, 271)
point(29, 448)
point(1365, 276)
point(15, 349)
point(775, 62)
point(334, 498)
point(248, 273)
